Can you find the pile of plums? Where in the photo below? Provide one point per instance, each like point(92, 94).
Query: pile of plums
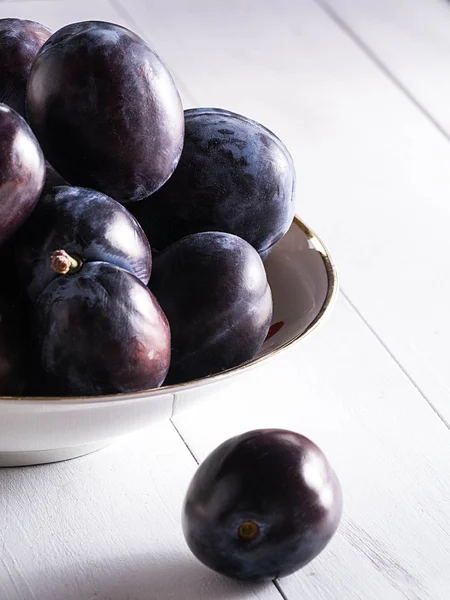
point(132, 240)
point(132, 233)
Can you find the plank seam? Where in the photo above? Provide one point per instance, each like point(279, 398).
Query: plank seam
point(346, 28)
point(278, 587)
point(191, 452)
point(395, 359)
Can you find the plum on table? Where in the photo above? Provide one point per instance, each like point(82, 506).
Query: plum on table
point(234, 175)
point(82, 222)
point(22, 172)
point(213, 288)
point(262, 505)
point(20, 41)
point(105, 110)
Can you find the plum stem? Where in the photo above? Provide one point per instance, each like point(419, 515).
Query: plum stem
point(62, 262)
point(248, 531)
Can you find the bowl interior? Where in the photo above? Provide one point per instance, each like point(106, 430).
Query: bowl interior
point(303, 282)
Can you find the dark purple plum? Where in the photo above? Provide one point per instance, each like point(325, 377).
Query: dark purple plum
point(85, 223)
point(20, 41)
point(14, 346)
point(234, 175)
point(22, 172)
point(100, 331)
point(213, 289)
point(262, 505)
point(106, 110)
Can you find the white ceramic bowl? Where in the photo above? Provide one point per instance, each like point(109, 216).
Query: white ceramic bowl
point(303, 279)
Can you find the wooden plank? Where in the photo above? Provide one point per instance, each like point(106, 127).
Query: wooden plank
point(411, 41)
point(373, 173)
point(107, 526)
point(390, 451)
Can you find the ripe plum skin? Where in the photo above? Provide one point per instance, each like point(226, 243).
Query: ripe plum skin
point(85, 223)
point(20, 41)
point(278, 481)
point(22, 172)
point(234, 175)
point(213, 288)
point(105, 110)
point(101, 331)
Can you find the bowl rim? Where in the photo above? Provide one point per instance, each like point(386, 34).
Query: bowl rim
point(330, 298)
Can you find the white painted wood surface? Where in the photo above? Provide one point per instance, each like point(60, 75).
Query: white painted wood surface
point(411, 41)
point(373, 180)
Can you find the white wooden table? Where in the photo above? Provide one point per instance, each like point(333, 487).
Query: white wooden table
point(360, 92)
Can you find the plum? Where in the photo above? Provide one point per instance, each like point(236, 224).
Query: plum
point(14, 345)
point(85, 223)
point(234, 175)
point(22, 172)
point(262, 505)
point(100, 330)
point(20, 41)
point(106, 110)
point(213, 288)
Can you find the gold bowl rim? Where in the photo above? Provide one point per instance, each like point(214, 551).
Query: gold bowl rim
point(333, 286)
